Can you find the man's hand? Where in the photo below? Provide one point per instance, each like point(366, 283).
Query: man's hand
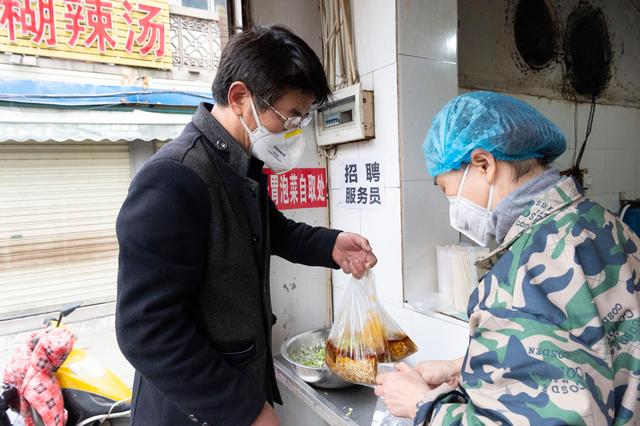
point(401, 390)
point(435, 373)
point(353, 254)
point(267, 417)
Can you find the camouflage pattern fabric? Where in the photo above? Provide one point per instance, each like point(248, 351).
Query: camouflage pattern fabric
point(554, 324)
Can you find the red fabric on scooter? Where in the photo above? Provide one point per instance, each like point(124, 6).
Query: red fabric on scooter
point(32, 371)
point(18, 364)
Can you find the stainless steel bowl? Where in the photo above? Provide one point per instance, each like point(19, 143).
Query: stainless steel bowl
point(320, 377)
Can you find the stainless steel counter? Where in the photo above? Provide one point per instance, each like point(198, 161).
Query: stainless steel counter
point(332, 405)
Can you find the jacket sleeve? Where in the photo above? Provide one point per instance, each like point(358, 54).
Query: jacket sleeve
point(299, 242)
point(162, 230)
point(444, 395)
point(537, 350)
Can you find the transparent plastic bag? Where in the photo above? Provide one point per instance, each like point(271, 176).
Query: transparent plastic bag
point(364, 335)
point(382, 417)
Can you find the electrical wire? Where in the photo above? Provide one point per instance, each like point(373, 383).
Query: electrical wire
point(102, 417)
point(337, 43)
point(326, 150)
point(634, 6)
point(575, 133)
point(592, 111)
point(109, 415)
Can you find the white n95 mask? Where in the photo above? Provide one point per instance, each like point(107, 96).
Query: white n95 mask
point(281, 152)
point(469, 218)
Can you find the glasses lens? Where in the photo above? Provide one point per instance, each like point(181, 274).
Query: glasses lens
point(295, 122)
point(291, 123)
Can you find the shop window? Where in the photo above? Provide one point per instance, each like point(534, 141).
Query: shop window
point(194, 4)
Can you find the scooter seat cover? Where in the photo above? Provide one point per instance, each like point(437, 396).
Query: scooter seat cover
point(32, 371)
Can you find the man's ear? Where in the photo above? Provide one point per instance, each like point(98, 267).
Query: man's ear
point(237, 96)
point(486, 163)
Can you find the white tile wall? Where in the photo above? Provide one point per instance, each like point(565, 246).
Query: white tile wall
point(346, 152)
point(375, 43)
point(425, 86)
point(620, 168)
point(612, 154)
point(428, 29)
point(426, 223)
point(438, 339)
point(614, 127)
point(347, 220)
point(338, 297)
point(303, 19)
point(382, 228)
point(427, 80)
point(595, 161)
point(385, 145)
point(374, 33)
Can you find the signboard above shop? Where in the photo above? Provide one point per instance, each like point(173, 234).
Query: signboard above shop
point(124, 32)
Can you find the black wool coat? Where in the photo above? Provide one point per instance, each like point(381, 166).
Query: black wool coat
point(193, 314)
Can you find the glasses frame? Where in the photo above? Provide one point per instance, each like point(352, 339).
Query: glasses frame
point(290, 123)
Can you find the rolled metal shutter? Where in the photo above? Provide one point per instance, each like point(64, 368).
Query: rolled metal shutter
point(58, 207)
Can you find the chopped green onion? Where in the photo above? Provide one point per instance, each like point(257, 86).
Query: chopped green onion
point(309, 356)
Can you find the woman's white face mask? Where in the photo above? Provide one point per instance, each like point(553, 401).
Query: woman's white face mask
point(469, 218)
point(281, 152)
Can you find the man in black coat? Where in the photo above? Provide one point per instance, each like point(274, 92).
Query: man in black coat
point(196, 233)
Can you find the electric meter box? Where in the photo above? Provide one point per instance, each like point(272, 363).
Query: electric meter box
point(348, 117)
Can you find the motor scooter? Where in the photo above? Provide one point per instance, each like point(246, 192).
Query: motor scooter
point(93, 395)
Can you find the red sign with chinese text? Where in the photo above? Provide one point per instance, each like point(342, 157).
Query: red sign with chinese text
point(128, 32)
point(298, 188)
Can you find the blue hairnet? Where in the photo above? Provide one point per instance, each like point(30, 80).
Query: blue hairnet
point(502, 125)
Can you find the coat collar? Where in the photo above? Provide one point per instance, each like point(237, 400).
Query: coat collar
point(223, 143)
point(566, 192)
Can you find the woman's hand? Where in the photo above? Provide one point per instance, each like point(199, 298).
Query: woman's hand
point(401, 390)
point(435, 373)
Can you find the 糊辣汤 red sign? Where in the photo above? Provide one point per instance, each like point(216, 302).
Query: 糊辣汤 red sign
point(125, 32)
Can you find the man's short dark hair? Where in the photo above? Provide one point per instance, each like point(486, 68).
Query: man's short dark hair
point(270, 60)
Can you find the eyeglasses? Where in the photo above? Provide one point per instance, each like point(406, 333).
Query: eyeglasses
point(290, 122)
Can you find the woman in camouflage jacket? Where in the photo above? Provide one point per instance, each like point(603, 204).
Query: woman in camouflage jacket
point(555, 320)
